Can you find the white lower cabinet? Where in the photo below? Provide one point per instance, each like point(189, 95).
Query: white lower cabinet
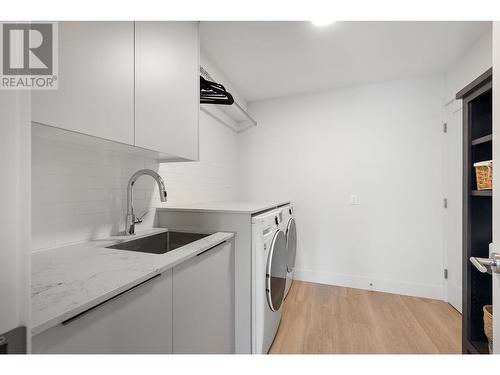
point(187, 309)
point(203, 298)
point(138, 321)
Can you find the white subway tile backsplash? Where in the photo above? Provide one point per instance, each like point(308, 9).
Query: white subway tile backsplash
point(79, 192)
point(214, 177)
point(43, 233)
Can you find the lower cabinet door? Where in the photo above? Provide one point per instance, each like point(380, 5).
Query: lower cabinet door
point(138, 321)
point(203, 294)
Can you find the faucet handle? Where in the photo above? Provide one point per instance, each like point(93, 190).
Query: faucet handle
point(138, 220)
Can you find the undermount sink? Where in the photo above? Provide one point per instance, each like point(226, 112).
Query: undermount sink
point(160, 243)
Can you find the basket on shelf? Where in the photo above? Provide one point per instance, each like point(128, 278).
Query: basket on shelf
point(484, 175)
point(488, 325)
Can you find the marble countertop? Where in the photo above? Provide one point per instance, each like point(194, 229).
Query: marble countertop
point(239, 207)
point(71, 279)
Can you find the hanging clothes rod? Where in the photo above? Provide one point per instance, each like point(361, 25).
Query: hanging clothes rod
point(205, 74)
point(246, 114)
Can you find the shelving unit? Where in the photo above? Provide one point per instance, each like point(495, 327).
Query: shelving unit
point(233, 116)
point(481, 140)
point(477, 211)
point(481, 193)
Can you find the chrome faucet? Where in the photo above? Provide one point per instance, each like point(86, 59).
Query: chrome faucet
point(131, 220)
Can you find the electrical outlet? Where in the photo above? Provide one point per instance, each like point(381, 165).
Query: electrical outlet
point(353, 199)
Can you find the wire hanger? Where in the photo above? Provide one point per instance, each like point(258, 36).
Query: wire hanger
point(214, 93)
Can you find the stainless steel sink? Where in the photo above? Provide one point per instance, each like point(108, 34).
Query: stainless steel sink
point(160, 243)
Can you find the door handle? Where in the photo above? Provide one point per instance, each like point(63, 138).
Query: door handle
point(83, 313)
point(482, 264)
point(207, 250)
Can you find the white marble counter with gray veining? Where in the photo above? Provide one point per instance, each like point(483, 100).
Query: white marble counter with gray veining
point(71, 279)
point(233, 207)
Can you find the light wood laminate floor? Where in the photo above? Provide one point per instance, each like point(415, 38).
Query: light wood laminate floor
point(329, 319)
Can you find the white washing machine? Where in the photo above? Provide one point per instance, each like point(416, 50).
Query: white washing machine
point(269, 278)
point(289, 227)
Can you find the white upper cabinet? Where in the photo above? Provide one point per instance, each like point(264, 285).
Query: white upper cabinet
point(167, 87)
point(109, 71)
point(96, 82)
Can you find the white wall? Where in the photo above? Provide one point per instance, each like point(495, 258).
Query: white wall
point(15, 202)
point(381, 142)
point(475, 61)
point(214, 177)
point(79, 192)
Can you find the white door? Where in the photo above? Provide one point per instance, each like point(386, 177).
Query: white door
point(496, 182)
point(453, 152)
point(15, 218)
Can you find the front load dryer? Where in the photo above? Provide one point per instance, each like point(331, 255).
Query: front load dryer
point(269, 279)
point(290, 228)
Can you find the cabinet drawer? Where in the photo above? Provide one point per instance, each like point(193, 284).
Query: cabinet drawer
point(138, 321)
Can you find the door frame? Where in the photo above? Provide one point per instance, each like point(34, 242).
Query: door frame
point(451, 107)
point(496, 181)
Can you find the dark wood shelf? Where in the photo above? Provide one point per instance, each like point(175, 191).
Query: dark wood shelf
point(481, 193)
point(478, 82)
point(480, 140)
point(480, 347)
point(477, 211)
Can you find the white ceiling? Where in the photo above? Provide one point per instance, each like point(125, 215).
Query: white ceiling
point(271, 59)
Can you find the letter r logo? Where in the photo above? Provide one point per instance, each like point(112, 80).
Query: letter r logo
point(27, 49)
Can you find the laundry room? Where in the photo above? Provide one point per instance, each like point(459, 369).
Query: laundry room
point(249, 187)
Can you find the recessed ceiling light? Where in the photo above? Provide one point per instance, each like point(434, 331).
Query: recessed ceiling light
point(322, 23)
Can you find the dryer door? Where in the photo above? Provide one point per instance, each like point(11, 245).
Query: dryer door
point(291, 244)
point(276, 271)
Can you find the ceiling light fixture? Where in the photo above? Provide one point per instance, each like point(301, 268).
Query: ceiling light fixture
point(322, 23)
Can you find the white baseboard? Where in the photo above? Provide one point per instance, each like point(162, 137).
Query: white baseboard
point(379, 285)
point(453, 295)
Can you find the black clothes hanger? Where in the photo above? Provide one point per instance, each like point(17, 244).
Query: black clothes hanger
point(214, 93)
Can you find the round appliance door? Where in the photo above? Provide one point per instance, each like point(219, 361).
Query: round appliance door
point(276, 271)
point(291, 244)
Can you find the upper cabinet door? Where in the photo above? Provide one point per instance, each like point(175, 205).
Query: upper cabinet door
point(96, 82)
point(167, 87)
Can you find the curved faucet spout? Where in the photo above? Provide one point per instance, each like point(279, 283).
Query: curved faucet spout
point(131, 219)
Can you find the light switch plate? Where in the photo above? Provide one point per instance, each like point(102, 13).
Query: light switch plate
point(353, 199)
